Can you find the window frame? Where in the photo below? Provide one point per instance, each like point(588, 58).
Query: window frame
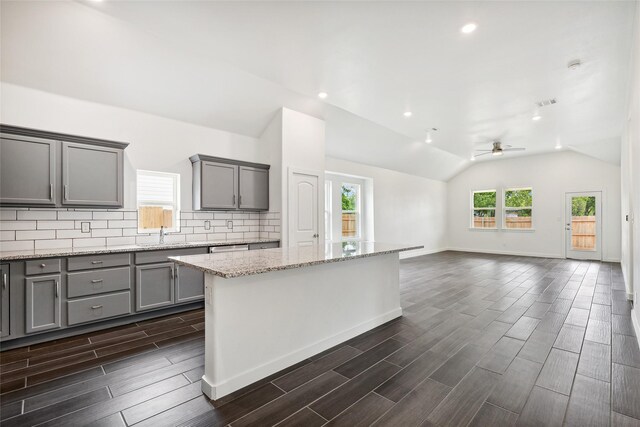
point(473, 209)
point(358, 211)
point(505, 209)
point(176, 202)
point(328, 210)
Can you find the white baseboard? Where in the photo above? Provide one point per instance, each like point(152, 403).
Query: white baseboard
point(216, 391)
point(514, 253)
point(420, 252)
point(635, 320)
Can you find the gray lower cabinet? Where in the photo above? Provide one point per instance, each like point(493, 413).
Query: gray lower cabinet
point(189, 284)
point(27, 171)
point(100, 307)
point(254, 188)
point(42, 303)
point(154, 286)
point(5, 328)
point(92, 175)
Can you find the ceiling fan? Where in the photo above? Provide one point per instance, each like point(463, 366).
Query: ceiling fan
point(498, 149)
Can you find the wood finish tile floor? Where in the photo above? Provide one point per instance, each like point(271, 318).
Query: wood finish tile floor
point(484, 341)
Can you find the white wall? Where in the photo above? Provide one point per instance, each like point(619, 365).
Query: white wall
point(631, 182)
point(156, 143)
point(407, 208)
point(303, 147)
point(551, 176)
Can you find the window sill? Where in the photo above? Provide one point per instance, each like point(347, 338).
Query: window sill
point(483, 229)
point(519, 230)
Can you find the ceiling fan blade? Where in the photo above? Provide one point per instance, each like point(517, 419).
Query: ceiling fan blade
point(485, 150)
point(478, 155)
point(514, 149)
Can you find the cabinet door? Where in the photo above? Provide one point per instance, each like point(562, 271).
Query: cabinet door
point(219, 186)
point(254, 188)
point(4, 304)
point(43, 303)
point(27, 171)
point(189, 284)
point(91, 175)
point(154, 286)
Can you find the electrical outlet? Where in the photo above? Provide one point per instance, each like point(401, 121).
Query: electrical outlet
point(207, 225)
point(229, 224)
point(85, 227)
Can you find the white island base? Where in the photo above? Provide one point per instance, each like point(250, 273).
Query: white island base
point(257, 325)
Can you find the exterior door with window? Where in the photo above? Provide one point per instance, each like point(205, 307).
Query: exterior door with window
point(303, 208)
point(583, 220)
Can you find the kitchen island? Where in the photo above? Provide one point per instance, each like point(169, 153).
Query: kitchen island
point(269, 309)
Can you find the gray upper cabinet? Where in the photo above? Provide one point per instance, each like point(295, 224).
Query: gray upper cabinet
point(43, 303)
point(40, 168)
point(229, 184)
point(254, 188)
point(4, 301)
point(218, 186)
point(27, 171)
point(92, 175)
point(154, 286)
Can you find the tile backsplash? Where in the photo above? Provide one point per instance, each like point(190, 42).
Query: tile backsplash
point(31, 228)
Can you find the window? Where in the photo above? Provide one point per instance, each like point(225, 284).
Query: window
point(518, 204)
point(484, 209)
point(350, 210)
point(158, 201)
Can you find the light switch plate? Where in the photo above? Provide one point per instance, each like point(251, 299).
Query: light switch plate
point(85, 227)
point(229, 224)
point(207, 225)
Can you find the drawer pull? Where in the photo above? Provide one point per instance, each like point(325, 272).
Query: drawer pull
point(57, 289)
point(96, 281)
point(95, 307)
point(96, 262)
point(43, 265)
point(4, 281)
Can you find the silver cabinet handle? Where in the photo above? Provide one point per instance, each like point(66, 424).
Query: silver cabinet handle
point(175, 272)
point(57, 289)
point(96, 262)
point(315, 236)
point(43, 265)
point(66, 192)
point(240, 199)
point(96, 281)
point(4, 281)
point(234, 199)
point(51, 191)
point(95, 307)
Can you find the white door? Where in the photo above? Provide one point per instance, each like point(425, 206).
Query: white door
point(303, 208)
point(583, 225)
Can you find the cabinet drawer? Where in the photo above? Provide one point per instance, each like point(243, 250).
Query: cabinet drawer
point(269, 245)
point(42, 266)
point(153, 257)
point(97, 261)
point(97, 308)
point(98, 281)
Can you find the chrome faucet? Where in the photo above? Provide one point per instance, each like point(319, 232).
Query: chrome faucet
point(162, 234)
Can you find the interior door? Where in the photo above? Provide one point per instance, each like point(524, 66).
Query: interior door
point(583, 225)
point(303, 209)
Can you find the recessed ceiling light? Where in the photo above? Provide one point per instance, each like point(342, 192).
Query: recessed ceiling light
point(322, 95)
point(536, 117)
point(558, 146)
point(469, 28)
point(473, 159)
point(408, 114)
point(428, 140)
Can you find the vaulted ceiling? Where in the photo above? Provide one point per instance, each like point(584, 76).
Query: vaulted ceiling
point(231, 65)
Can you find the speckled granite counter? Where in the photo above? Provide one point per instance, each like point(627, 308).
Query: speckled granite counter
point(62, 252)
point(237, 264)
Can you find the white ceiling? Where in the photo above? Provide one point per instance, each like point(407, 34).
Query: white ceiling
point(231, 65)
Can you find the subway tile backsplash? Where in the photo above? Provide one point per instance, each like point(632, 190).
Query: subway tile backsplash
point(34, 228)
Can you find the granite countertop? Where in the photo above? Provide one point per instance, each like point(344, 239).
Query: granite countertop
point(246, 263)
point(49, 253)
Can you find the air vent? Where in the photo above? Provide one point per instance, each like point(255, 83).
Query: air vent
point(547, 102)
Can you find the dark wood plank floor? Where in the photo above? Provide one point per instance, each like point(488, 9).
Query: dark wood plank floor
point(484, 341)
